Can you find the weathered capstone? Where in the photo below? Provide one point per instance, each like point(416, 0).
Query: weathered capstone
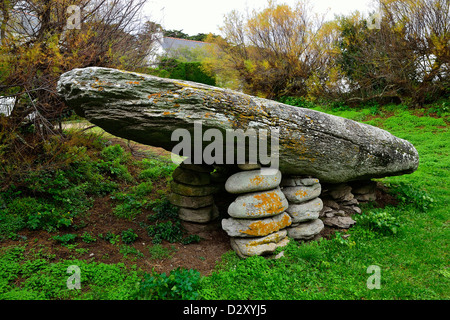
point(255, 228)
point(247, 247)
point(305, 211)
point(306, 230)
point(149, 109)
point(253, 180)
point(258, 204)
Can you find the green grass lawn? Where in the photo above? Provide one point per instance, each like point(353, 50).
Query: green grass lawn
point(413, 262)
point(408, 243)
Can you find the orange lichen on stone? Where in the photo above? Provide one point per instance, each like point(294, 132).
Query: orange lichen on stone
point(260, 228)
point(269, 203)
point(254, 243)
point(301, 193)
point(257, 180)
point(154, 95)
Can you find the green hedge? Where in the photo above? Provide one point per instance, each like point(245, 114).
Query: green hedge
point(191, 71)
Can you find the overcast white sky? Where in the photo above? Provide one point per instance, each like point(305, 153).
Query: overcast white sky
point(204, 16)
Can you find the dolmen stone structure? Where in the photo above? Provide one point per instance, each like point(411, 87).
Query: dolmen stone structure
point(313, 171)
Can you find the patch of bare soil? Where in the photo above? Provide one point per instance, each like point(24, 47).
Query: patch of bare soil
point(201, 256)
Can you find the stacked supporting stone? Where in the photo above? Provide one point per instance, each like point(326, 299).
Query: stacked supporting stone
point(192, 192)
point(341, 202)
point(304, 206)
point(258, 219)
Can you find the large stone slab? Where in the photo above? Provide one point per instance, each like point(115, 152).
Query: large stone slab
point(148, 109)
point(258, 204)
point(255, 228)
point(253, 180)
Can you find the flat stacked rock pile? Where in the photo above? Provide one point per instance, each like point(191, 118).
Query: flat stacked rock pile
point(304, 206)
point(341, 202)
point(193, 193)
point(258, 218)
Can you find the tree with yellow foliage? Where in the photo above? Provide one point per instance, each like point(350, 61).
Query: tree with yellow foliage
point(41, 39)
point(39, 42)
point(272, 52)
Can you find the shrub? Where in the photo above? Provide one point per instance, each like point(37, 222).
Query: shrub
point(169, 231)
point(10, 224)
point(88, 238)
point(143, 189)
point(127, 211)
point(129, 236)
point(180, 284)
point(35, 214)
point(110, 237)
point(297, 102)
point(410, 195)
point(163, 210)
point(127, 251)
point(158, 252)
point(380, 221)
point(65, 239)
point(191, 71)
point(115, 169)
point(192, 238)
point(115, 153)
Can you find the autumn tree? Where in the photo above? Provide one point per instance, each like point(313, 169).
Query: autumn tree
point(272, 51)
point(37, 46)
point(39, 41)
point(404, 59)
